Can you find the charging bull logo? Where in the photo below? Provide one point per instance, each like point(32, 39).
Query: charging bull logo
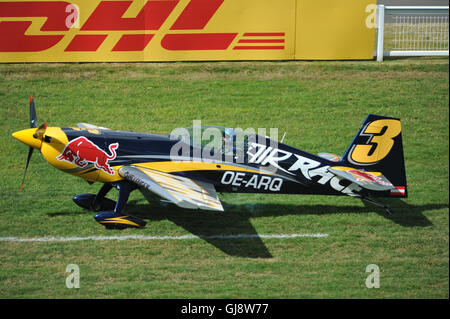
point(82, 151)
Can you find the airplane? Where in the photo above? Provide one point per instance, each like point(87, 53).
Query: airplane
point(372, 166)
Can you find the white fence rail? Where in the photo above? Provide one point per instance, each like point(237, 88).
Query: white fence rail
point(412, 31)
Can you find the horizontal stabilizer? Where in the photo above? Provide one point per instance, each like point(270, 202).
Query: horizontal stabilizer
point(330, 157)
point(369, 180)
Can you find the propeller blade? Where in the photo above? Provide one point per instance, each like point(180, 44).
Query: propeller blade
point(33, 117)
point(30, 152)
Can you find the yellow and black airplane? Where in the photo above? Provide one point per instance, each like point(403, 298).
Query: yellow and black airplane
point(187, 172)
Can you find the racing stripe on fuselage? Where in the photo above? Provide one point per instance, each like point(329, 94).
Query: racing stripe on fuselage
point(182, 166)
point(87, 168)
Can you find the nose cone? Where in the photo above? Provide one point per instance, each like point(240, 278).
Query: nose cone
point(26, 137)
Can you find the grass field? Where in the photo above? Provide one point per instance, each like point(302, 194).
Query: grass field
point(319, 104)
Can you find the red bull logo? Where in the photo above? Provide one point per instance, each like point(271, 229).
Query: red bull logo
point(81, 152)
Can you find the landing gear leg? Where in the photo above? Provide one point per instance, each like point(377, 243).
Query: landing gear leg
point(125, 189)
point(100, 202)
point(116, 219)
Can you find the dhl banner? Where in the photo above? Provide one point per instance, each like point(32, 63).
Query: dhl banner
point(185, 30)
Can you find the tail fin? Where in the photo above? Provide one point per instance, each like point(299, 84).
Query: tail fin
point(378, 147)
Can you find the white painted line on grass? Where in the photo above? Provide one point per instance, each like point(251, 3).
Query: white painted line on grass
point(143, 237)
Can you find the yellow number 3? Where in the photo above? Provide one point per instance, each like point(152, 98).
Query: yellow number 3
point(378, 146)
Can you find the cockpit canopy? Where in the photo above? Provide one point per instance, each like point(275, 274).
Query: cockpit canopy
point(219, 138)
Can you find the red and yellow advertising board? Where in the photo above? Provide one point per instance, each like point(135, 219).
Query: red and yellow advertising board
point(184, 30)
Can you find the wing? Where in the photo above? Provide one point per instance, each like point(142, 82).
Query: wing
point(181, 191)
point(91, 126)
point(375, 181)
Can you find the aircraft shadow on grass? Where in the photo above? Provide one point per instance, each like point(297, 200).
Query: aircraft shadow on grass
point(236, 220)
point(205, 223)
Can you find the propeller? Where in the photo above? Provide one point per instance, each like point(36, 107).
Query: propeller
point(38, 135)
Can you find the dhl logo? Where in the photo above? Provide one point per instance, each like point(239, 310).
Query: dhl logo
point(184, 34)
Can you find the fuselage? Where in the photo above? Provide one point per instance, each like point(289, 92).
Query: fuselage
point(262, 167)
